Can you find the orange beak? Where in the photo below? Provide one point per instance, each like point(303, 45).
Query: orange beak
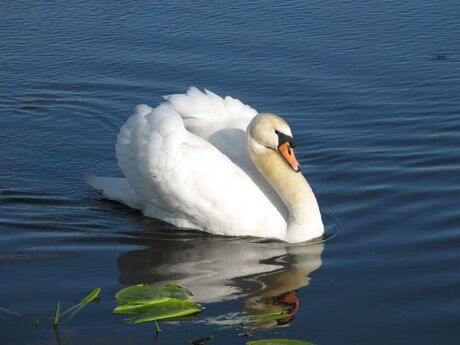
point(288, 154)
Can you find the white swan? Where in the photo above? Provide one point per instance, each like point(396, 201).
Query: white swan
point(200, 161)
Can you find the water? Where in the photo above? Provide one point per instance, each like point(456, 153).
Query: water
point(371, 89)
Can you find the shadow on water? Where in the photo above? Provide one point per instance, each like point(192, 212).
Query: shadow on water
point(265, 275)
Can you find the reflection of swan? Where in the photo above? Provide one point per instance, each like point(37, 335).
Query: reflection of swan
point(200, 161)
point(278, 288)
point(215, 269)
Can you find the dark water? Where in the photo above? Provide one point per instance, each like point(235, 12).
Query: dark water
point(372, 91)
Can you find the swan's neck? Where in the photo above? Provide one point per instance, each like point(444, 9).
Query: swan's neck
point(304, 220)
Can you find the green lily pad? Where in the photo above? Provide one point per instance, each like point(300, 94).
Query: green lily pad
point(278, 342)
point(139, 294)
point(158, 309)
point(260, 318)
point(137, 308)
point(152, 303)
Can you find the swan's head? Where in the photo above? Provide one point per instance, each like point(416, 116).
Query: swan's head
point(269, 132)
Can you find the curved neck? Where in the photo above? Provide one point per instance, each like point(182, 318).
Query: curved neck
point(304, 220)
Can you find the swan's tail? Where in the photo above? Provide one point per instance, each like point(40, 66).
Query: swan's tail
point(118, 189)
point(115, 188)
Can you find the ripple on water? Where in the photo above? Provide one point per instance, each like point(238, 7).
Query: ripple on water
point(371, 92)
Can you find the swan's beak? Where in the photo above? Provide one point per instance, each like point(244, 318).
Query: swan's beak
point(288, 154)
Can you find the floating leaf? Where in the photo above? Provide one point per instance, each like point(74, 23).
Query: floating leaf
point(158, 309)
point(139, 294)
point(138, 308)
point(153, 303)
point(77, 307)
point(278, 342)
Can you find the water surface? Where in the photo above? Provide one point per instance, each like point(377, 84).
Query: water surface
point(371, 90)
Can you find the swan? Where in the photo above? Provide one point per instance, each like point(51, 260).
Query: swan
point(200, 161)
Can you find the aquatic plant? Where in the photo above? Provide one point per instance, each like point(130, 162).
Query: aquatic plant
point(149, 303)
point(77, 307)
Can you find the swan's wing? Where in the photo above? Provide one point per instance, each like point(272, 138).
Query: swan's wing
point(205, 113)
point(223, 122)
point(183, 174)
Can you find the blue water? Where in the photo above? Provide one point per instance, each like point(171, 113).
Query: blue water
point(372, 92)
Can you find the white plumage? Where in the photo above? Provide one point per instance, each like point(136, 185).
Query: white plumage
point(186, 163)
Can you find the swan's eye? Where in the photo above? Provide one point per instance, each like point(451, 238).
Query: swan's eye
point(283, 138)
